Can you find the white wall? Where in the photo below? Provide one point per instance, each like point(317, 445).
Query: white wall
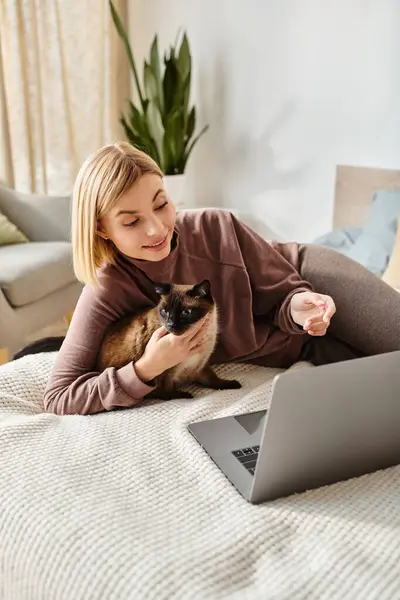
point(290, 88)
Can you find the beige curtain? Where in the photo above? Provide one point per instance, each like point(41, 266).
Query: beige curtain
point(63, 81)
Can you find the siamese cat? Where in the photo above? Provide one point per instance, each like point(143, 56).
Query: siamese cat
point(180, 307)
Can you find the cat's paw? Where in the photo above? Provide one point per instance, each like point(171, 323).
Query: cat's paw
point(230, 384)
point(178, 395)
point(166, 396)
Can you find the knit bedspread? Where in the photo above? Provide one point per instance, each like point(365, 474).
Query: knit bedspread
point(127, 505)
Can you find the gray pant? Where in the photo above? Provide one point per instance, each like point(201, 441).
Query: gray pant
point(367, 320)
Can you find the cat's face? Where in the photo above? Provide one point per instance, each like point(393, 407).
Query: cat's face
point(181, 306)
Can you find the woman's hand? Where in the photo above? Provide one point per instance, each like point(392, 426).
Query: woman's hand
point(312, 311)
point(165, 350)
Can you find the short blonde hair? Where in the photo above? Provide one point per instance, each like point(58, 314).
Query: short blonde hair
point(103, 178)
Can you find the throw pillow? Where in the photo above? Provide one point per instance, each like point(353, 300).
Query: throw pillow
point(392, 273)
point(374, 245)
point(340, 239)
point(9, 233)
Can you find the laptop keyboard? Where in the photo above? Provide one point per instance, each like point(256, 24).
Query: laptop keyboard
point(248, 457)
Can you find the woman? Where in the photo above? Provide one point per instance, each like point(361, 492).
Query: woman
point(275, 300)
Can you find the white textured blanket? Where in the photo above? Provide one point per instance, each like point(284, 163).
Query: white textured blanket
point(126, 505)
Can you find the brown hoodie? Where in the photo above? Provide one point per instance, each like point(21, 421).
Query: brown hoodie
point(252, 282)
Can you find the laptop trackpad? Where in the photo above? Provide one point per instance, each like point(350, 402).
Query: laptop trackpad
point(252, 422)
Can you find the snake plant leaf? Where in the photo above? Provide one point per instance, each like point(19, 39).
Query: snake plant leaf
point(173, 141)
point(170, 85)
point(179, 133)
point(122, 34)
point(156, 130)
point(156, 68)
point(127, 129)
point(172, 53)
point(169, 136)
point(184, 61)
point(150, 82)
point(132, 137)
point(191, 125)
point(137, 121)
point(186, 94)
point(168, 154)
point(140, 127)
point(191, 146)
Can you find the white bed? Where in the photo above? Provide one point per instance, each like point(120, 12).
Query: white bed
point(126, 505)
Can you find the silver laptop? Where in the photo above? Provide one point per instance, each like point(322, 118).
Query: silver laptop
point(324, 424)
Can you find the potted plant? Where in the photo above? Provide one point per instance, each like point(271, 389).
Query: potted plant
point(163, 124)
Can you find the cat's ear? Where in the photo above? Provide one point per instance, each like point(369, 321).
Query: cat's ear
point(202, 290)
point(162, 288)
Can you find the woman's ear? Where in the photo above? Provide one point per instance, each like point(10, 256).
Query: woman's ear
point(100, 232)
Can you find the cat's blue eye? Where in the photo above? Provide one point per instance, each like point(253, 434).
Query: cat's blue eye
point(186, 312)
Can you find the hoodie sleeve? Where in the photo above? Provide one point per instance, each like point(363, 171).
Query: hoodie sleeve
point(75, 387)
point(272, 268)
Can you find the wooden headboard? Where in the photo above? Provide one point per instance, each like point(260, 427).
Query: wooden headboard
point(354, 189)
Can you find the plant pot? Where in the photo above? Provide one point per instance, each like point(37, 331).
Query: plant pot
point(175, 186)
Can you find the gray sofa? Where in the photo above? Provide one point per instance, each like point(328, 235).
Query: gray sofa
point(37, 282)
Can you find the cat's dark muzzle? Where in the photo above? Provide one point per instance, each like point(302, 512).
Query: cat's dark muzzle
point(175, 330)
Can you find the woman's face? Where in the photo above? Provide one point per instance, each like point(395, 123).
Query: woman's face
point(142, 222)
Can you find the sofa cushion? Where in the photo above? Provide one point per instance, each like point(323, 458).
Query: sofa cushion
point(340, 239)
point(9, 233)
point(32, 271)
point(375, 244)
point(41, 218)
point(392, 272)
point(372, 244)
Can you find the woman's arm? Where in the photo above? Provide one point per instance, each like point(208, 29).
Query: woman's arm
point(274, 277)
point(75, 387)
